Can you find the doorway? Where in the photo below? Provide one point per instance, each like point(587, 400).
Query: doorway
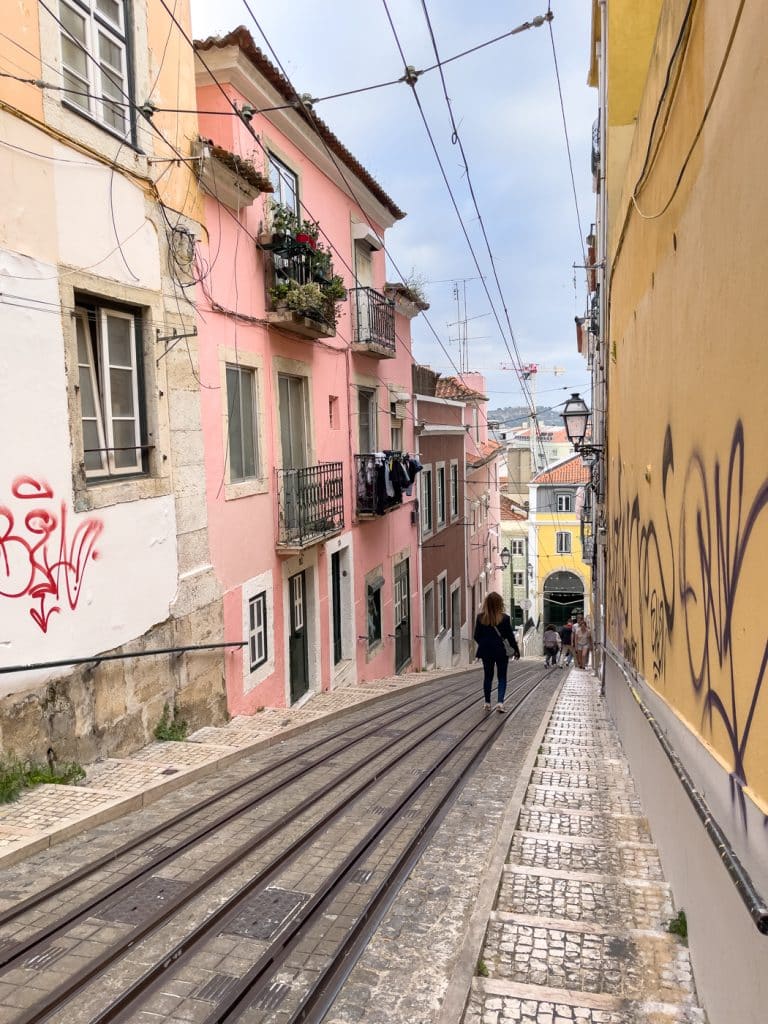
point(402, 615)
point(456, 621)
point(563, 597)
point(336, 609)
point(297, 638)
point(429, 625)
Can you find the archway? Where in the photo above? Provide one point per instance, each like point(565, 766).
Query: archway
point(563, 597)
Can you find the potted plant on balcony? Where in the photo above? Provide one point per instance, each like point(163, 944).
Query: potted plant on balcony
point(308, 232)
point(284, 224)
point(322, 267)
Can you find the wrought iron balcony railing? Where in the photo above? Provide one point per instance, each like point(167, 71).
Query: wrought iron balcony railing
point(374, 321)
point(371, 498)
point(310, 503)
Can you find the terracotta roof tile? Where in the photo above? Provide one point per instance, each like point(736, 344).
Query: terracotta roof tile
point(485, 451)
point(571, 471)
point(453, 388)
point(243, 39)
point(510, 511)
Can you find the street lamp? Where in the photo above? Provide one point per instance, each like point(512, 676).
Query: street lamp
point(576, 416)
point(505, 557)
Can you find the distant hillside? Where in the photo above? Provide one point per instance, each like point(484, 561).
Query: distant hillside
point(516, 415)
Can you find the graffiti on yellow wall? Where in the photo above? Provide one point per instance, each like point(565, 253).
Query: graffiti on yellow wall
point(680, 585)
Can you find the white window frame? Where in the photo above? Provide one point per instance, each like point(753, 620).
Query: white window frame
point(563, 542)
point(564, 502)
point(99, 381)
point(427, 524)
point(280, 173)
point(96, 103)
point(241, 371)
point(518, 579)
point(518, 547)
point(258, 647)
point(442, 603)
point(440, 495)
point(454, 490)
point(370, 395)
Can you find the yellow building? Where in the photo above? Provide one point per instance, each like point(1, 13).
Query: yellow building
point(680, 364)
point(561, 579)
point(100, 380)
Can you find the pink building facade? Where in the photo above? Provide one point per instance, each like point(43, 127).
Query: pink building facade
point(483, 513)
point(305, 364)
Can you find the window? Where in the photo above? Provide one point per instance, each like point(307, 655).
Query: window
point(397, 435)
point(97, 87)
point(563, 542)
point(366, 413)
point(454, 490)
point(285, 184)
point(241, 421)
point(257, 629)
point(441, 495)
point(564, 503)
point(426, 500)
point(373, 591)
point(517, 547)
point(442, 603)
point(517, 579)
point(109, 364)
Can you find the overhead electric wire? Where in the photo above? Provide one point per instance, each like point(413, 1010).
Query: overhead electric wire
point(456, 139)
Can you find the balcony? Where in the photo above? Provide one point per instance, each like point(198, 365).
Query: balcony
point(373, 324)
point(371, 498)
point(302, 289)
point(310, 505)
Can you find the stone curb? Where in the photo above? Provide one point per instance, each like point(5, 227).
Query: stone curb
point(156, 789)
point(460, 985)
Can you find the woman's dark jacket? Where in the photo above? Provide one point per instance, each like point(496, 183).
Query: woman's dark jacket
point(489, 643)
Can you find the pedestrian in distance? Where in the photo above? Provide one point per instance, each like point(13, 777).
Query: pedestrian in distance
point(566, 641)
point(492, 628)
point(582, 642)
point(551, 645)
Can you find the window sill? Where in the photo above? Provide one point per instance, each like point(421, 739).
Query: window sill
point(245, 488)
point(115, 492)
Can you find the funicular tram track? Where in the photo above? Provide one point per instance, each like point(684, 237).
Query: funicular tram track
point(256, 983)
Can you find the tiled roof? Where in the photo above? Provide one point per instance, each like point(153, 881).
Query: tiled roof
point(572, 470)
point(510, 510)
point(552, 435)
point(485, 451)
point(452, 387)
point(243, 39)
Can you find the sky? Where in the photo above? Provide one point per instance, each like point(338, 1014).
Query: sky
point(507, 110)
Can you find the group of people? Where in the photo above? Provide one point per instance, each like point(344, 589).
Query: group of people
point(496, 644)
point(571, 643)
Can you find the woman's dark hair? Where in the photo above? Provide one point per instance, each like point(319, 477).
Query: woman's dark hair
point(493, 609)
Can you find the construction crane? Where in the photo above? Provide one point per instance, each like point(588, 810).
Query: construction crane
point(529, 372)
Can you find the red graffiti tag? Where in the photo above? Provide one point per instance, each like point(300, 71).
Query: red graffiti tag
point(40, 563)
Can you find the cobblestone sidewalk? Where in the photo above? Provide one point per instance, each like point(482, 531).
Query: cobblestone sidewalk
point(579, 929)
point(115, 786)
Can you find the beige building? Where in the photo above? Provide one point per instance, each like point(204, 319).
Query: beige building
point(106, 547)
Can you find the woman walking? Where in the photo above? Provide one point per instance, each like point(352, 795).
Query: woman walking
point(582, 642)
point(492, 628)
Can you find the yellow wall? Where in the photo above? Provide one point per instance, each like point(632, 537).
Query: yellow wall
point(688, 472)
point(549, 561)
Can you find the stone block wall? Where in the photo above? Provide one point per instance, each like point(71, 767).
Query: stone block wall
point(111, 709)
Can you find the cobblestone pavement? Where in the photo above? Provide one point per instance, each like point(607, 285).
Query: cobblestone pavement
point(48, 815)
point(579, 932)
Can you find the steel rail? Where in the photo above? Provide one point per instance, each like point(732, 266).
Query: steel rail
point(53, 1001)
point(260, 976)
point(154, 975)
point(15, 911)
point(14, 952)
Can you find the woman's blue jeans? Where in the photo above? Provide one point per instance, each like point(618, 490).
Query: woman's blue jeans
point(499, 663)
